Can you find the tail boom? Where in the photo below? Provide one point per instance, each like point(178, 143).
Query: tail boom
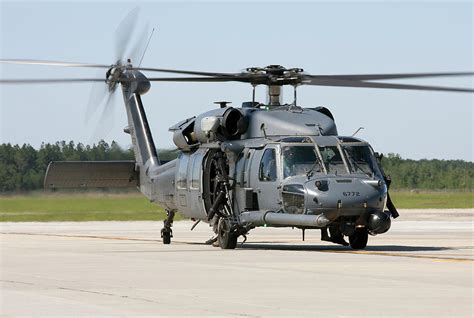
point(146, 156)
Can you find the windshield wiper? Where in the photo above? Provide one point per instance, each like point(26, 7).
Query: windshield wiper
point(360, 168)
point(354, 163)
point(309, 174)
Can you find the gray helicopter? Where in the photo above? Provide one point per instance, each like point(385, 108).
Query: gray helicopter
point(262, 164)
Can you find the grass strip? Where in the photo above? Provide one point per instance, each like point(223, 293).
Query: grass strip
point(40, 207)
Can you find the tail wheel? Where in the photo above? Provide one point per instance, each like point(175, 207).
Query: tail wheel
point(226, 236)
point(358, 240)
point(166, 237)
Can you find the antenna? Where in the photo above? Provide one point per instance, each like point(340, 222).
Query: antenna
point(294, 100)
point(262, 128)
point(253, 94)
point(146, 47)
point(359, 129)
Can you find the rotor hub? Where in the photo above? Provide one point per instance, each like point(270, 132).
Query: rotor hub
point(275, 75)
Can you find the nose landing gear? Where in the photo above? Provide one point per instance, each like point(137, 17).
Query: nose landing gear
point(336, 236)
point(358, 236)
point(359, 239)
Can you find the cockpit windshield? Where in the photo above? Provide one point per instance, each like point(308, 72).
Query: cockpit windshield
point(361, 159)
point(342, 159)
point(298, 160)
point(333, 160)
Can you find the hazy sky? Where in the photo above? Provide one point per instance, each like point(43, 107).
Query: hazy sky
point(321, 37)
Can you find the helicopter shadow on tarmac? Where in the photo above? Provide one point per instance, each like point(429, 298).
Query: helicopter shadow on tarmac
point(324, 248)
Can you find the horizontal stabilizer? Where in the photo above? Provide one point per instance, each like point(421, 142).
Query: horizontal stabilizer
point(91, 174)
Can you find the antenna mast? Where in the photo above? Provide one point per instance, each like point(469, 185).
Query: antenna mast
point(146, 47)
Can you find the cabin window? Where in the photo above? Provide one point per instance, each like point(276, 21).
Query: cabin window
point(182, 171)
point(196, 174)
point(239, 168)
point(268, 170)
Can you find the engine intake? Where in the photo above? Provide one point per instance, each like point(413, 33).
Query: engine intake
point(220, 124)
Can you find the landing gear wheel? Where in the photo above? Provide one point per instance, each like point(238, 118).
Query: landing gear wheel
point(166, 236)
point(358, 240)
point(227, 238)
point(166, 231)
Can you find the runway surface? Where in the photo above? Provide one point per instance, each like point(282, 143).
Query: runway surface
point(422, 267)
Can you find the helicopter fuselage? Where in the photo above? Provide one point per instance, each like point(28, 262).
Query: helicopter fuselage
point(280, 172)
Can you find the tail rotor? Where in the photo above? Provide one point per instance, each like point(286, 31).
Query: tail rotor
point(102, 94)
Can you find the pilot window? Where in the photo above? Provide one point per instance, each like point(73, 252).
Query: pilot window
point(268, 170)
point(298, 160)
point(182, 172)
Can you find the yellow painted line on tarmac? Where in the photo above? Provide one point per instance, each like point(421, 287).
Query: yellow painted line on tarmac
point(84, 236)
point(438, 258)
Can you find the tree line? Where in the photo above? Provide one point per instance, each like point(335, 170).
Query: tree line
point(433, 174)
point(22, 168)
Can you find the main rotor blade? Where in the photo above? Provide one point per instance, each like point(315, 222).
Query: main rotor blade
point(201, 79)
point(89, 65)
point(51, 63)
point(199, 73)
point(348, 83)
point(369, 77)
point(159, 79)
point(46, 80)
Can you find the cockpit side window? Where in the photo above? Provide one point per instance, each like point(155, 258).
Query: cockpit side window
point(268, 169)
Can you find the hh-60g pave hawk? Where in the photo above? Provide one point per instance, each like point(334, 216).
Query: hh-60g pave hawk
point(271, 164)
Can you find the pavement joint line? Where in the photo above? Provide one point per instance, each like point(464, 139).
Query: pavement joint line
point(137, 298)
point(96, 292)
point(435, 258)
point(78, 290)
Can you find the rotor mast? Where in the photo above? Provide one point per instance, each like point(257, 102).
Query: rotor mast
point(274, 97)
point(274, 77)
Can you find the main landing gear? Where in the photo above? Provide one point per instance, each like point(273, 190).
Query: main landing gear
point(218, 200)
point(166, 231)
point(226, 235)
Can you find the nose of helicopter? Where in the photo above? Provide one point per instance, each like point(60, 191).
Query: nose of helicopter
point(349, 195)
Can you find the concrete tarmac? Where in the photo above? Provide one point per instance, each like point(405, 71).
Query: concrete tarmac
point(422, 267)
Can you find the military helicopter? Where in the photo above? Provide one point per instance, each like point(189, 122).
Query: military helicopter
point(262, 164)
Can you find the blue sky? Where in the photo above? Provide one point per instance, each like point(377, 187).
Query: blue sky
point(320, 37)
